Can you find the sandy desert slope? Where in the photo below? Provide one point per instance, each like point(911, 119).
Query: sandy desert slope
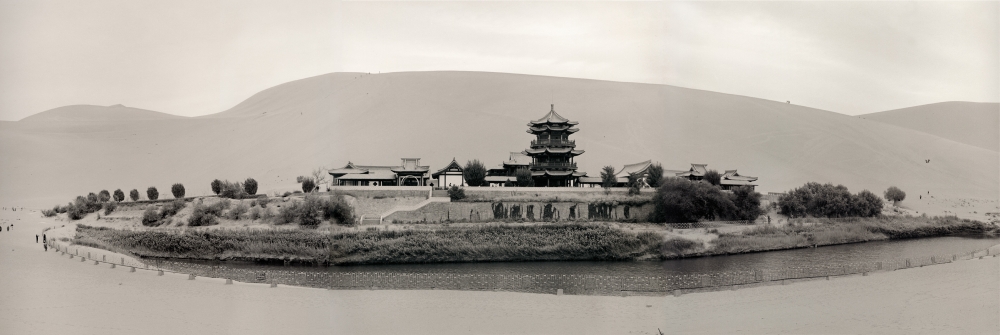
point(327, 120)
point(972, 123)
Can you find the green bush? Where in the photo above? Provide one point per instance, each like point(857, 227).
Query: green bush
point(109, 207)
point(713, 177)
point(232, 190)
point(177, 190)
point(152, 193)
point(119, 196)
point(134, 194)
point(308, 185)
point(608, 178)
point(237, 211)
point(681, 200)
point(747, 203)
point(524, 178)
point(654, 175)
point(171, 208)
point(207, 215)
point(49, 212)
point(894, 194)
point(311, 211)
point(826, 200)
point(150, 217)
point(456, 193)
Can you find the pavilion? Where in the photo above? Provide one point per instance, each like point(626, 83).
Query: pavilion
point(552, 151)
point(504, 174)
point(408, 173)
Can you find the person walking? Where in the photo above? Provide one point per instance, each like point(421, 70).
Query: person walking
point(46, 247)
point(43, 238)
point(36, 238)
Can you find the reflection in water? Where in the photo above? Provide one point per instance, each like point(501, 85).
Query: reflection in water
point(829, 256)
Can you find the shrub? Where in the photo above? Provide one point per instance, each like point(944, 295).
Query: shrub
point(262, 202)
point(608, 179)
point(237, 212)
point(134, 194)
point(216, 186)
point(109, 207)
point(826, 200)
point(150, 217)
point(171, 208)
point(103, 196)
point(119, 196)
point(895, 195)
point(634, 184)
point(654, 175)
point(250, 186)
point(254, 213)
point(313, 209)
point(474, 173)
point(308, 184)
point(682, 200)
point(713, 177)
point(524, 178)
point(456, 193)
point(207, 215)
point(177, 190)
point(232, 190)
point(152, 193)
point(93, 202)
point(50, 212)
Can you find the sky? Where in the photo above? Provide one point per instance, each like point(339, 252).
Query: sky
point(200, 57)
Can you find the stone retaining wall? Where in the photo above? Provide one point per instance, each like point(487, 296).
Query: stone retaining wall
point(521, 211)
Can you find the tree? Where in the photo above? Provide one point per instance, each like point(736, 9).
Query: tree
point(655, 175)
point(152, 193)
point(608, 179)
point(250, 186)
point(134, 194)
point(177, 190)
point(308, 184)
point(103, 196)
point(216, 186)
point(319, 176)
point(747, 203)
point(119, 195)
point(713, 177)
point(474, 173)
point(524, 178)
point(634, 183)
point(867, 204)
point(827, 200)
point(895, 195)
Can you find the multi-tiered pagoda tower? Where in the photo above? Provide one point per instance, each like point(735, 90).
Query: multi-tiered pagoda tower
point(552, 151)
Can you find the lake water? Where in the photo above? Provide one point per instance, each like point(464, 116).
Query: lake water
point(773, 261)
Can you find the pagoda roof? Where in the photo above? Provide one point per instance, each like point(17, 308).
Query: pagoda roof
point(696, 170)
point(639, 167)
point(546, 127)
point(732, 175)
point(552, 118)
point(557, 173)
point(452, 165)
point(564, 150)
point(352, 168)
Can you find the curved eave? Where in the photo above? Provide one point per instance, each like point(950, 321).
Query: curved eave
point(544, 128)
point(554, 151)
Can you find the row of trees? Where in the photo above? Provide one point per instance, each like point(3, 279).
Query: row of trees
point(235, 190)
point(827, 200)
point(681, 200)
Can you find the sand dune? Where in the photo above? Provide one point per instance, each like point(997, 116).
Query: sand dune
point(292, 128)
point(971, 123)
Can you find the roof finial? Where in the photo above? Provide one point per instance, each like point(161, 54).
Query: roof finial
point(553, 108)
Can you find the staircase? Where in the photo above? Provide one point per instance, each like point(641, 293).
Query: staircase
point(408, 208)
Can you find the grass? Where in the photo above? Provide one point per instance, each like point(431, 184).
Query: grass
point(224, 244)
point(494, 243)
point(831, 232)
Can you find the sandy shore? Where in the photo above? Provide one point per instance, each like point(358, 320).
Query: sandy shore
point(47, 293)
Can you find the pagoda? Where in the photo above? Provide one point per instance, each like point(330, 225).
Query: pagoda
point(552, 151)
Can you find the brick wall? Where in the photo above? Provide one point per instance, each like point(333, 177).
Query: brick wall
point(526, 211)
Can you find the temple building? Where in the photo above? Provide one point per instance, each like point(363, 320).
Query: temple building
point(408, 173)
point(640, 169)
point(552, 151)
point(727, 181)
point(504, 174)
point(450, 175)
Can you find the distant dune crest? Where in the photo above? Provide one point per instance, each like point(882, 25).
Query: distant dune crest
point(973, 123)
point(92, 113)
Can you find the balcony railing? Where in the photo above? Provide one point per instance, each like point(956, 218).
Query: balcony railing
point(553, 143)
point(553, 165)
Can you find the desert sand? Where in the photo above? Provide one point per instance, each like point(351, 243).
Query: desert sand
point(328, 120)
point(43, 292)
point(971, 123)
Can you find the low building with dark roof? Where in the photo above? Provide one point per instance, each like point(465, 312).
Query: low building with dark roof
point(450, 175)
point(408, 173)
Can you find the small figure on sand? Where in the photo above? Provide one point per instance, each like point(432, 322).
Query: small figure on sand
point(46, 245)
point(36, 238)
point(43, 238)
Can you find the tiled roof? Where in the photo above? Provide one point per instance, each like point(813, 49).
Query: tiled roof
point(518, 158)
point(554, 151)
point(634, 168)
point(552, 117)
point(453, 164)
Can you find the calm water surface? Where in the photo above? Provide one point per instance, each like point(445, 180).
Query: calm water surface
point(767, 261)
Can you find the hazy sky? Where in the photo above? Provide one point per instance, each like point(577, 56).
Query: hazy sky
point(201, 57)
